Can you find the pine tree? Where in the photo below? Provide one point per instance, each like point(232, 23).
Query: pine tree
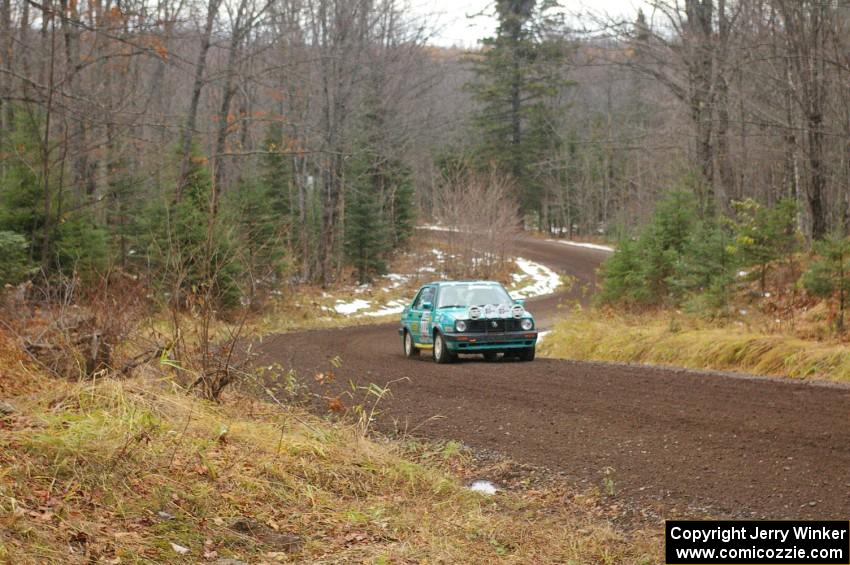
point(707, 267)
point(829, 277)
point(403, 213)
point(21, 186)
point(642, 271)
point(276, 174)
point(765, 234)
point(60, 239)
point(191, 248)
point(263, 213)
point(366, 241)
point(517, 77)
point(14, 264)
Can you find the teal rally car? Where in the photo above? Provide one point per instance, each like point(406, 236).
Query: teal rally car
point(454, 317)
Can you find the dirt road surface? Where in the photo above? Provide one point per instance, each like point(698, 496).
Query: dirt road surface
point(681, 443)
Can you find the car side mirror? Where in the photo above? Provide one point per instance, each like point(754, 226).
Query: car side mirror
point(427, 305)
point(519, 302)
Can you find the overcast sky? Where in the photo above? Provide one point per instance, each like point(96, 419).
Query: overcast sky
point(457, 29)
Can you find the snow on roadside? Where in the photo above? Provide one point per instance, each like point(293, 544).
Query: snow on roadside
point(534, 280)
point(595, 246)
point(397, 280)
point(355, 306)
point(392, 307)
point(343, 307)
point(544, 279)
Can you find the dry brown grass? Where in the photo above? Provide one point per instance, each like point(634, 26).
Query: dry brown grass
point(118, 471)
point(673, 339)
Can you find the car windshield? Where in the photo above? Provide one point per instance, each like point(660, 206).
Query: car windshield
point(461, 295)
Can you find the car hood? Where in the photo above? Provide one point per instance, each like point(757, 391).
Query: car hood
point(454, 313)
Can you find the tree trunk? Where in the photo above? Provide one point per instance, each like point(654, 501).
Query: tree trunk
point(188, 133)
point(700, 88)
point(83, 178)
point(227, 92)
point(6, 52)
point(726, 177)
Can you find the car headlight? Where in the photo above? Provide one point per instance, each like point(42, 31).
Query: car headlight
point(460, 326)
point(526, 324)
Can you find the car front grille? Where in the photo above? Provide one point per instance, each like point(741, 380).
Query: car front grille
point(495, 326)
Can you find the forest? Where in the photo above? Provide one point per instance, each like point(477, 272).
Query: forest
point(266, 143)
point(213, 215)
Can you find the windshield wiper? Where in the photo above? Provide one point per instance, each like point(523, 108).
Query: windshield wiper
point(453, 306)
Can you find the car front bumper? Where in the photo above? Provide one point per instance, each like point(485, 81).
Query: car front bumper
point(472, 342)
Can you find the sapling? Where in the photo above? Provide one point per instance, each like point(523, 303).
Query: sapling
point(829, 277)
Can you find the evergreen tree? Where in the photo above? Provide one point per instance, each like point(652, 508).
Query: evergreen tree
point(517, 77)
point(403, 216)
point(263, 213)
point(641, 271)
point(829, 277)
point(379, 203)
point(765, 234)
point(366, 241)
point(707, 267)
point(14, 264)
point(21, 186)
point(190, 247)
point(276, 174)
point(61, 240)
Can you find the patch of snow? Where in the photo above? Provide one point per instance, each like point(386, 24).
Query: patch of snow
point(595, 246)
point(435, 227)
point(438, 253)
point(546, 281)
point(743, 273)
point(427, 270)
point(362, 288)
point(483, 486)
point(392, 307)
point(541, 335)
point(342, 307)
point(396, 280)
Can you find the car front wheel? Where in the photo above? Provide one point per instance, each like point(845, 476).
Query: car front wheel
point(441, 351)
point(410, 350)
point(527, 354)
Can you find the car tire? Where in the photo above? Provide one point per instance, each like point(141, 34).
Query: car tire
point(409, 348)
point(527, 354)
point(441, 350)
point(490, 356)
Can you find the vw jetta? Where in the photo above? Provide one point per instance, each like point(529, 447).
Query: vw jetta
point(465, 317)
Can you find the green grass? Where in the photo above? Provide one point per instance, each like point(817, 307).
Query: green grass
point(687, 342)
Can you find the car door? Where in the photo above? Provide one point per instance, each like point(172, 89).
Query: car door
point(421, 317)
